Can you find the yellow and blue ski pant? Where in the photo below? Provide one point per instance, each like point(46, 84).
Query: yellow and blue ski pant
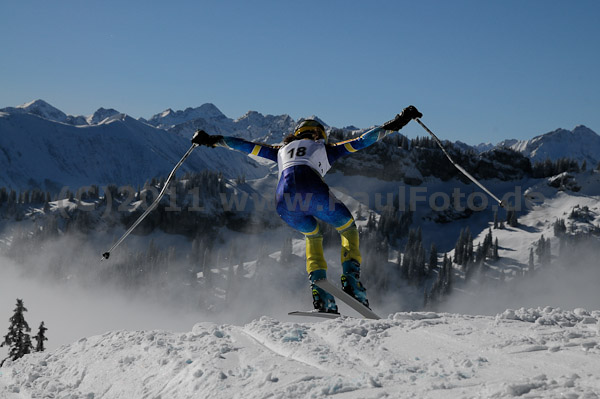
point(303, 198)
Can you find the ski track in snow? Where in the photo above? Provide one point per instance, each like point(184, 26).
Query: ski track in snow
point(529, 353)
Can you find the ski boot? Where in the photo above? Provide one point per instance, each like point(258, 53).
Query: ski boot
point(323, 301)
point(351, 283)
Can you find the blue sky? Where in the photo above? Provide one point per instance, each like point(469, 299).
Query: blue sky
point(480, 71)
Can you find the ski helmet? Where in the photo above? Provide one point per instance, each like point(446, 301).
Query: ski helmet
point(310, 125)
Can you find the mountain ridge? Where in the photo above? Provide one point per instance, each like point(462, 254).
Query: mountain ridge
point(66, 144)
point(40, 153)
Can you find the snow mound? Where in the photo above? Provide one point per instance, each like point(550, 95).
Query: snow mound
point(423, 354)
point(552, 316)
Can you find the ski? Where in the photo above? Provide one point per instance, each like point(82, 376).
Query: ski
point(315, 313)
point(347, 299)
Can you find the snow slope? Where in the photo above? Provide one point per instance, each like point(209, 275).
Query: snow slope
point(539, 352)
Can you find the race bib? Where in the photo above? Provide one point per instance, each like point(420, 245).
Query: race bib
point(304, 152)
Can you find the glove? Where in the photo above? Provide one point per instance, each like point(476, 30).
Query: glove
point(203, 138)
point(402, 119)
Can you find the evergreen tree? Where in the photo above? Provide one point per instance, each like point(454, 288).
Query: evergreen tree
point(414, 260)
point(459, 248)
point(560, 228)
point(487, 245)
point(40, 338)
point(513, 221)
point(469, 253)
point(359, 213)
point(433, 257)
point(206, 273)
point(496, 255)
point(420, 263)
point(531, 263)
point(479, 254)
point(442, 285)
point(233, 275)
point(547, 252)
point(448, 275)
point(543, 251)
point(511, 218)
point(540, 249)
point(371, 223)
point(286, 251)
point(17, 339)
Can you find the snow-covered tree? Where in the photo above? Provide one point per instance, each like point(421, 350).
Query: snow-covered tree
point(543, 250)
point(560, 228)
point(18, 339)
point(531, 263)
point(40, 338)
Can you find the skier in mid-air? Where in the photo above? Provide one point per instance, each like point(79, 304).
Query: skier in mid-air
point(303, 197)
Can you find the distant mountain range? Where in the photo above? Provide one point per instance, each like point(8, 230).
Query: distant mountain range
point(41, 146)
point(580, 143)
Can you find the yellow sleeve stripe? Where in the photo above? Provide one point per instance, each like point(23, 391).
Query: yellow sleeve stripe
point(349, 147)
point(256, 150)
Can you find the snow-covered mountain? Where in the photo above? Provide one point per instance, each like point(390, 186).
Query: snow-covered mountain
point(40, 149)
point(483, 147)
point(42, 146)
point(46, 111)
point(170, 118)
point(581, 144)
point(39, 108)
point(542, 352)
point(252, 126)
point(101, 115)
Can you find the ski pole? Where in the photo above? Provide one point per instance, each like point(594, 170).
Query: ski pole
point(439, 143)
point(151, 207)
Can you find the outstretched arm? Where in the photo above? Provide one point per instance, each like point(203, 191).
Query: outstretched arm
point(372, 136)
point(233, 143)
point(262, 150)
point(342, 148)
